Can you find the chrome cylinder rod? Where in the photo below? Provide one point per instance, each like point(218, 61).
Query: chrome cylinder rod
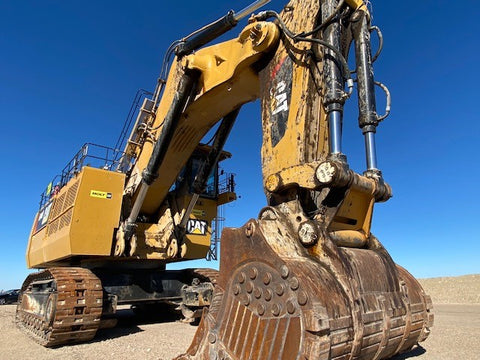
point(335, 131)
point(142, 194)
point(250, 9)
point(370, 151)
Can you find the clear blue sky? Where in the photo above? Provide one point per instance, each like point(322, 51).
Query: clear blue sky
point(69, 71)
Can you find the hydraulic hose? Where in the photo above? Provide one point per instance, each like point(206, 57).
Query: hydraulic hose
point(380, 42)
point(302, 38)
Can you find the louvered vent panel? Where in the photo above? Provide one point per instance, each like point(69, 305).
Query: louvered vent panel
point(57, 206)
point(71, 195)
point(53, 227)
point(66, 219)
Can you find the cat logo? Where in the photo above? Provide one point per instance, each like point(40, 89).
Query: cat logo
point(197, 227)
point(280, 102)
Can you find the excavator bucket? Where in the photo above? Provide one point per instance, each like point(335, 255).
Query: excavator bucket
point(278, 300)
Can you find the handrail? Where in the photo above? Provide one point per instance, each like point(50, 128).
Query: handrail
point(90, 154)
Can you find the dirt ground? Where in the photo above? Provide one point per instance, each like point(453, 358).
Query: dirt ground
point(454, 336)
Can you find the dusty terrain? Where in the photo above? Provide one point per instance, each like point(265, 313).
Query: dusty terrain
point(453, 290)
point(454, 336)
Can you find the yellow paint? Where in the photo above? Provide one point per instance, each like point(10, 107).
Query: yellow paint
point(352, 214)
point(302, 175)
point(82, 222)
point(198, 245)
point(227, 81)
point(226, 197)
point(306, 134)
point(79, 223)
point(153, 240)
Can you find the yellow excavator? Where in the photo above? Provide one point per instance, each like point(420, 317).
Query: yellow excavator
point(305, 280)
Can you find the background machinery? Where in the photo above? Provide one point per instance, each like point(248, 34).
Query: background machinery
point(307, 279)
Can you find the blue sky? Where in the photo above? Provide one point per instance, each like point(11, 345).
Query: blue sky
point(69, 71)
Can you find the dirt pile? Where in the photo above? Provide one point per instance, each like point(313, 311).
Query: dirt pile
point(453, 290)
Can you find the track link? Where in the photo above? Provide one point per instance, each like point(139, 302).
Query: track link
point(60, 306)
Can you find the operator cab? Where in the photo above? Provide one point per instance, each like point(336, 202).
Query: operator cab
point(218, 181)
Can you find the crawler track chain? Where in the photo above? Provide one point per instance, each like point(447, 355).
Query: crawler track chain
point(60, 306)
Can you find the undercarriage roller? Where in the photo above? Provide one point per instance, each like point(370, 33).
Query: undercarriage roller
point(278, 300)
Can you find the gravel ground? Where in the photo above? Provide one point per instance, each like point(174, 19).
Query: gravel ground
point(454, 336)
point(453, 290)
point(131, 339)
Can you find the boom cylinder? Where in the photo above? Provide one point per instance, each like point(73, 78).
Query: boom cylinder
point(150, 173)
